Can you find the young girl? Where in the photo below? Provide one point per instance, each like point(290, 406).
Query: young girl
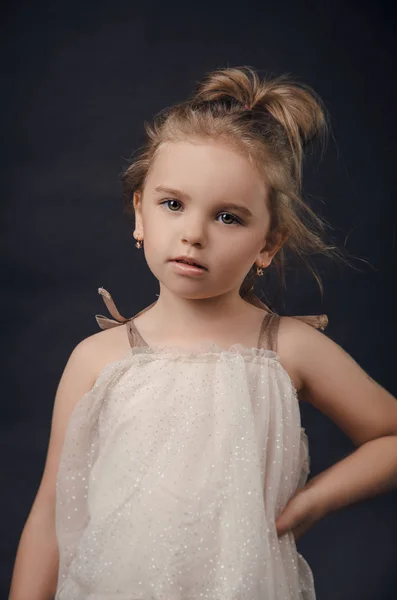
point(176, 451)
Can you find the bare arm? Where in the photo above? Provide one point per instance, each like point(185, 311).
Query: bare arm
point(35, 572)
point(36, 565)
point(365, 411)
point(335, 384)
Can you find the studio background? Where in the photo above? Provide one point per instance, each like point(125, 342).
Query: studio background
point(79, 80)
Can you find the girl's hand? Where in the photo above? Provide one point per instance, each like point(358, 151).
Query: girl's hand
point(301, 513)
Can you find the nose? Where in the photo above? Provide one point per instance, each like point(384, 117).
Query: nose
point(193, 232)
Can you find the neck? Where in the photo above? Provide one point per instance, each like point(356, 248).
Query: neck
point(199, 313)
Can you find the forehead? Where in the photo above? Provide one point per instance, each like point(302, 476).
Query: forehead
point(200, 166)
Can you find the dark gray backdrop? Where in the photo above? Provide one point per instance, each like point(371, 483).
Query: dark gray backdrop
point(79, 79)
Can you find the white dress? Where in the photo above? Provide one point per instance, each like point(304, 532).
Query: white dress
point(174, 468)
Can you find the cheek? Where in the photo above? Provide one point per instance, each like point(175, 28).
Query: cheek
point(154, 250)
point(154, 230)
point(236, 258)
point(241, 248)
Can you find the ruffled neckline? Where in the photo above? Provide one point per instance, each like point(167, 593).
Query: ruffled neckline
point(203, 350)
point(210, 352)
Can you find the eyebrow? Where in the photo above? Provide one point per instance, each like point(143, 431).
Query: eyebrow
point(176, 192)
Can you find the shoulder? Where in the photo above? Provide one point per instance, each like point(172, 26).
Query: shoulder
point(294, 335)
point(334, 383)
point(104, 347)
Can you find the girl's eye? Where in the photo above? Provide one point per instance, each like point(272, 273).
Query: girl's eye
point(236, 220)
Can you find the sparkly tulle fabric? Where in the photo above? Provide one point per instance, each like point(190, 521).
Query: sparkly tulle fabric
point(174, 468)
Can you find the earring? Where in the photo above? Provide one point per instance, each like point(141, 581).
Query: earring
point(259, 270)
point(139, 243)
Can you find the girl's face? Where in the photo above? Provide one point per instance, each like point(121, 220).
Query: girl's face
point(186, 209)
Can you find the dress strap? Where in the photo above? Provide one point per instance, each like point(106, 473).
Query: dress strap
point(105, 322)
point(271, 323)
point(267, 335)
point(134, 337)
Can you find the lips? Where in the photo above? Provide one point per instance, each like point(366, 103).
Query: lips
point(189, 261)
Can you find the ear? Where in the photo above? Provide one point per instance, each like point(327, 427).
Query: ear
point(137, 203)
point(274, 241)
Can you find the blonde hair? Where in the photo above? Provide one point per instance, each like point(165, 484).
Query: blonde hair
point(282, 118)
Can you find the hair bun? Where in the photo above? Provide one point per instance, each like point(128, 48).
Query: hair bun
point(294, 105)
